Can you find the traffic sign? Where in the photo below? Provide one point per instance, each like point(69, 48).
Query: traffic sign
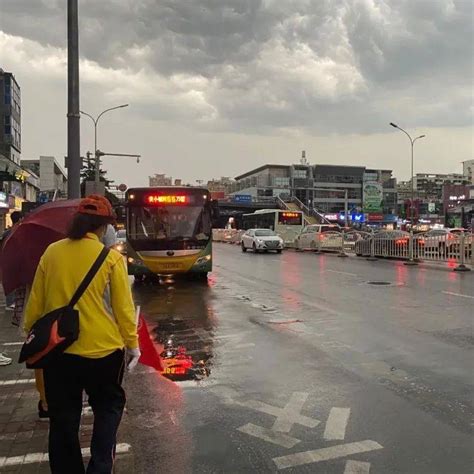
point(242, 198)
point(122, 187)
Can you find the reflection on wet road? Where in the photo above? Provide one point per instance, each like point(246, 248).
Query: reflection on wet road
point(181, 320)
point(298, 363)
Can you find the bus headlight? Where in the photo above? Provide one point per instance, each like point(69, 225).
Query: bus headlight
point(135, 261)
point(203, 260)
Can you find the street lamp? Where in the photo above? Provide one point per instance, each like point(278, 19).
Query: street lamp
point(97, 156)
point(412, 142)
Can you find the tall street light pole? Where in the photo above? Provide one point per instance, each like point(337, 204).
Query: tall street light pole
point(97, 155)
point(412, 142)
point(73, 117)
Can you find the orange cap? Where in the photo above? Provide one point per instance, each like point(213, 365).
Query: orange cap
point(96, 205)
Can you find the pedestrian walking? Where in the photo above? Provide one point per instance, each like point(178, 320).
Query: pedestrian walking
point(10, 298)
point(15, 217)
point(95, 362)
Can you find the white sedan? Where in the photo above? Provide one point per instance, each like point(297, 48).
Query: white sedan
point(262, 240)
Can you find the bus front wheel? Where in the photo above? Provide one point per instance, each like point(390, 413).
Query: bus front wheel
point(139, 278)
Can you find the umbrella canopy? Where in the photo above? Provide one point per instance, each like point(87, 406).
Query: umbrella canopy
point(29, 239)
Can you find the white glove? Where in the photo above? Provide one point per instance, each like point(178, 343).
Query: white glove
point(132, 358)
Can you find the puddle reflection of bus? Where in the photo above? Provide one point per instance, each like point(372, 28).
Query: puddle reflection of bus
point(182, 324)
point(169, 231)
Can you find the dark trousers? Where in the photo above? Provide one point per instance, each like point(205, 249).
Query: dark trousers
point(65, 381)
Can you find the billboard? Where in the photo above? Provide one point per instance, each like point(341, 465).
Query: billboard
point(373, 196)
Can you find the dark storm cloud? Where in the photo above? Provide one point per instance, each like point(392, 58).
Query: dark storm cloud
point(255, 65)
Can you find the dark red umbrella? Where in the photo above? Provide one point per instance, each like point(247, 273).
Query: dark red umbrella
point(29, 239)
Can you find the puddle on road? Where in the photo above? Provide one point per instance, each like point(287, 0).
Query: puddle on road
point(182, 322)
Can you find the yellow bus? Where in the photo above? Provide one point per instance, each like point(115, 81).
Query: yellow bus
point(169, 231)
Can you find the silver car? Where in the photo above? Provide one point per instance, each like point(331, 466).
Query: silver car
point(262, 240)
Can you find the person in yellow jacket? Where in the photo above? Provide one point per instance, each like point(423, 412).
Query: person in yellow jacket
point(96, 361)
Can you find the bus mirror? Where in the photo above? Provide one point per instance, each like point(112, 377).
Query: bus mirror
point(215, 209)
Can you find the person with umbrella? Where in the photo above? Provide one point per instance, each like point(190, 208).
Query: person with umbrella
point(10, 297)
point(95, 362)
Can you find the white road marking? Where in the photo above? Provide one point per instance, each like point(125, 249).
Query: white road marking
point(34, 458)
point(16, 381)
point(13, 343)
point(343, 273)
point(285, 417)
point(450, 293)
point(291, 412)
point(357, 467)
point(247, 345)
point(270, 436)
point(325, 454)
point(337, 423)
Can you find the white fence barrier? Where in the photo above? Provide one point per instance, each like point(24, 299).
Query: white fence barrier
point(449, 248)
point(231, 236)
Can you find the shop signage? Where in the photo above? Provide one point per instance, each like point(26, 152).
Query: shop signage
point(18, 203)
point(375, 217)
point(373, 196)
point(331, 217)
point(3, 200)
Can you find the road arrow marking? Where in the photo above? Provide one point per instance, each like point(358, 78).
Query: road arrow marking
point(325, 454)
point(270, 436)
point(337, 423)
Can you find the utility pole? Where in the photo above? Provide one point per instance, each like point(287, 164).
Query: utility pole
point(73, 116)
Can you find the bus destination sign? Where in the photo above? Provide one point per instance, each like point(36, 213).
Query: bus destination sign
point(170, 199)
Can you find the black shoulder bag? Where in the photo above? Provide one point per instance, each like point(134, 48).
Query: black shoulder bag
point(54, 332)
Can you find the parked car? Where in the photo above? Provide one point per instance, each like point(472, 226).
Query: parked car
point(447, 241)
point(262, 240)
point(392, 243)
point(350, 239)
point(319, 237)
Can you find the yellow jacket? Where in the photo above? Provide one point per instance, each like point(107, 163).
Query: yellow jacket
point(106, 310)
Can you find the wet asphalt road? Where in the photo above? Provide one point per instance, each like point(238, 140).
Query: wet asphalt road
point(300, 365)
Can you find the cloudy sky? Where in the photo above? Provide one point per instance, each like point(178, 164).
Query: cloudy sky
point(217, 87)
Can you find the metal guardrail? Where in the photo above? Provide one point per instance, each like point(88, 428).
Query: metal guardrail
point(449, 248)
point(230, 236)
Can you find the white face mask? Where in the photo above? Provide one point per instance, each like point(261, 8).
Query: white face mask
point(109, 238)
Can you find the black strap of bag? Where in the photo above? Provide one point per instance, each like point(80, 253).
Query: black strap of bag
point(89, 277)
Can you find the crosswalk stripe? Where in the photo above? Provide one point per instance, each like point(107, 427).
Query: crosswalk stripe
point(33, 458)
point(16, 381)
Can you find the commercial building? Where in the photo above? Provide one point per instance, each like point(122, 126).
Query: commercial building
point(163, 180)
point(220, 188)
point(468, 171)
point(371, 193)
point(458, 204)
point(52, 177)
point(429, 191)
point(430, 186)
point(15, 183)
point(10, 117)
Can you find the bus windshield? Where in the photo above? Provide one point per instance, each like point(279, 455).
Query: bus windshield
point(170, 223)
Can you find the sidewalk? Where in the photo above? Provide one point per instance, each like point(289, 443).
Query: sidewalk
point(23, 437)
